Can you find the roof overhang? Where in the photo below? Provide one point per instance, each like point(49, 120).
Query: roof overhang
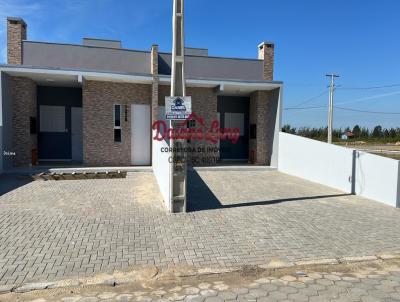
point(73, 78)
point(228, 87)
point(67, 77)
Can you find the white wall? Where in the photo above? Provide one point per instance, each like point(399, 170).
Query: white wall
point(162, 169)
point(374, 176)
point(278, 127)
point(377, 178)
point(316, 161)
point(1, 122)
point(1, 147)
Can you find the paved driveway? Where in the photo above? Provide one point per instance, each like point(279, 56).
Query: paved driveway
point(58, 229)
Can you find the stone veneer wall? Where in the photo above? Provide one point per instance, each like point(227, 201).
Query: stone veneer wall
point(156, 78)
point(266, 53)
point(204, 104)
point(263, 112)
point(16, 33)
point(23, 94)
point(98, 103)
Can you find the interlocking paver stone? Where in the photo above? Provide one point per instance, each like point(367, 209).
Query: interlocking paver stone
point(214, 299)
point(288, 289)
point(124, 297)
point(298, 297)
point(5, 288)
point(59, 229)
point(227, 295)
point(89, 299)
point(208, 293)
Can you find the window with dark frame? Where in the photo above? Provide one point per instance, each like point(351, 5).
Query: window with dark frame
point(32, 125)
point(191, 124)
point(253, 131)
point(117, 124)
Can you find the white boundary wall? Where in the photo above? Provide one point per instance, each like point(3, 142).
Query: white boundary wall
point(162, 169)
point(1, 122)
point(378, 178)
point(319, 162)
point(348, 170)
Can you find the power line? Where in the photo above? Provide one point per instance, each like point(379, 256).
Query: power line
point(348, 88)
point(297, 107)
point(368, 88)
point(303, 108)
point(367, 111)
point(343, 108)
point(310, 99)
point(372, 97)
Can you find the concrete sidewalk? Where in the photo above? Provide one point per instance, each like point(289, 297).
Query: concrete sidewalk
point(57, 229)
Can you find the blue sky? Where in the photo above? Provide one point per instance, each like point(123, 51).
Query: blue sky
point(357, 39)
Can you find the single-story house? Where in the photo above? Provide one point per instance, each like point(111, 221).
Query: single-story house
point(347, 135)
point(94, 103)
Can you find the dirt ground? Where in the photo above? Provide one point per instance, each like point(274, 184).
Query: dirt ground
point(386, 150)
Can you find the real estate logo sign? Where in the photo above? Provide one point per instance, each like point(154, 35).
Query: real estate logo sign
point(178, 108)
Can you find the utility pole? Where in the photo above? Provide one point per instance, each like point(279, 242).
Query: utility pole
point(178, 89)
point(330, 110)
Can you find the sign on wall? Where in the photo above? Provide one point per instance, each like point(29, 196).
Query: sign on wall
point(178, 108)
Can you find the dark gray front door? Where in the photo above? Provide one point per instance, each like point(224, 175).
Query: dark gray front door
point(54, 139)
point(58, 108)
point(234, 113)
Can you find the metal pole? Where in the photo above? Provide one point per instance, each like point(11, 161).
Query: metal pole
point(330, 107)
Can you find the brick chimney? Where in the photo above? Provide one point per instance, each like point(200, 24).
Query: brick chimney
point(266, 53)
point(16, 33)
point(154, 72)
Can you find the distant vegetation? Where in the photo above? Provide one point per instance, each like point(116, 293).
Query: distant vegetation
point(377, 135)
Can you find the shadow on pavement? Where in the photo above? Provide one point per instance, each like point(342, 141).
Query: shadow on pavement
point(201, 198)
point(10, 182)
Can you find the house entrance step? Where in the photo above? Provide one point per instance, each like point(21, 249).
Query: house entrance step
point(80, 175)
point(102, 169)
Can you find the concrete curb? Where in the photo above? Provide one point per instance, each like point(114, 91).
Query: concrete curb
point(358, 259)
point(153, 273)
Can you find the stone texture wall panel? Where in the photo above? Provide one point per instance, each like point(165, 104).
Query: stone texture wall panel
point(99, 98)
point(263, 112)
point(23, 94)
point(16, 32)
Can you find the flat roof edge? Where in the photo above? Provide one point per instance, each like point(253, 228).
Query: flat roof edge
point(5, 67)
point(99, 39)
point(87, 46)
point(163, 78)
point(214, 57)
